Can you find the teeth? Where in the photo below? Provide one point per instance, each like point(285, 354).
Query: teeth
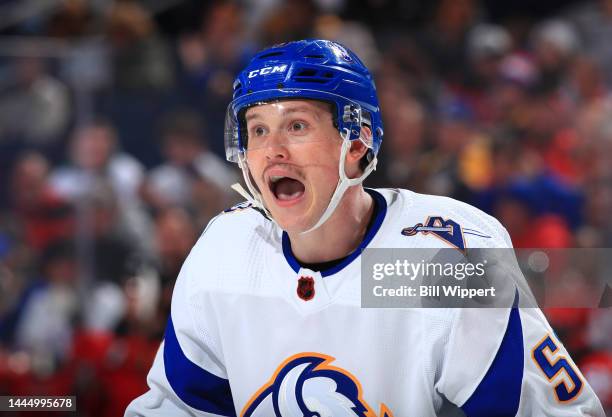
point(275, 178)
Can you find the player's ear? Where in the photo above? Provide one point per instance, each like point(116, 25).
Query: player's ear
point(359, 147)
point(357, 152)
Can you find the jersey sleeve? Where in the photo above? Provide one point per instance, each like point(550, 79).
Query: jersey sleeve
point(508, 362)
point(188, 376)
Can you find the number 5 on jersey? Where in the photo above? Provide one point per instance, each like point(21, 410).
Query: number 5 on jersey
point(557, 367)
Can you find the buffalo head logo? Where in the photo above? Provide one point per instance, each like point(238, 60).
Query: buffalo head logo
point(307, 385)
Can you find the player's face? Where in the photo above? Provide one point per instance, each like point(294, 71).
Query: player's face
point(293, 152)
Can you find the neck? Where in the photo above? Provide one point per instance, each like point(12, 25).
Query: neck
point(341, 234)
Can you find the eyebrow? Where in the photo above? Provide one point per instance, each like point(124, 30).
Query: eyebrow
point(286, 112)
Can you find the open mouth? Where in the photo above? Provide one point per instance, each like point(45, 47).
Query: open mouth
point(286, 189)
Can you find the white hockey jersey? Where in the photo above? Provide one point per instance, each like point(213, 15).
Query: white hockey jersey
point(242, 340)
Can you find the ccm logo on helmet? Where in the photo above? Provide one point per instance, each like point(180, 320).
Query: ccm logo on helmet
point(268, 70)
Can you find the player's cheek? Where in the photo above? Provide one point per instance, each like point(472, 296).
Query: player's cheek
point(321, 184)
point(255, 169)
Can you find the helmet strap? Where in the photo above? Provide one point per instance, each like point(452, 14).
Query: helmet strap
point(254, 197)
point(344, 183)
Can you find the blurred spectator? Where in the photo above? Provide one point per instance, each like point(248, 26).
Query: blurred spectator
point(555, 42)
point(94, 152)
point(511, 91)
point(487, 46)
point(34, 106)
point(291, 20)
point(586, 82)
point(175, 234)
point(405, 130)
point(593, 20)
point(454, 129)
point(42, 214)
point(95, 159)
point(209, 60)
point(191, 170)
point(444, 40)
point(45, 316)
point(405, 63)
point(488, 41)
point(141, 57)
point(114, 255)
point(73, 19)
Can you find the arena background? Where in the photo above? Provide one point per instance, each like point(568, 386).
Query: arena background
point(112, 159)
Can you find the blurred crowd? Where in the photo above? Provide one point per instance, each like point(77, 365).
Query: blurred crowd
point(112, 158)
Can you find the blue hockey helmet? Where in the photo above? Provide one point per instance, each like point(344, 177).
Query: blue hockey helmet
point(307, 69)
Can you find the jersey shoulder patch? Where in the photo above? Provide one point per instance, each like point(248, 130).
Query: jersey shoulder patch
point(458, 224)
point(447, 230)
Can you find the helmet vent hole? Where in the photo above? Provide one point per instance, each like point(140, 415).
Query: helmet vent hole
point(312, 75)
point(307, 73)
point(314, 56)
point(268, 55)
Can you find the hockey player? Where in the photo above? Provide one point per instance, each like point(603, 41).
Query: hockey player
point(266, 317)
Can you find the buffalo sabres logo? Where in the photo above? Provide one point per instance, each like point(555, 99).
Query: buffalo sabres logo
point(306, 288)
point(445, 229)
point(306, 385)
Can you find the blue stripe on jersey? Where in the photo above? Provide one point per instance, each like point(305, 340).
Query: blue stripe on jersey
point(499, 392)
point(379, 216)
point(195, 386)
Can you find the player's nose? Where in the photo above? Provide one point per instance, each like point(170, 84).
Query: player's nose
point(276, 146)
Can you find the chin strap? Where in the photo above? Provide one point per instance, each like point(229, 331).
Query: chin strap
point(344, 183)
point(254, 197)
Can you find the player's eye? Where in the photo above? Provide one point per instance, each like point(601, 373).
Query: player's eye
point(258, 131)
point(298, 127)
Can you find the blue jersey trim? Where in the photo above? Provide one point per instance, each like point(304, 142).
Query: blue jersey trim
point(379, 217)
point(499, 392)
point(193, 385)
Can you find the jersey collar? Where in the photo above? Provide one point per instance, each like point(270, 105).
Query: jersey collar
point(379, 216)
